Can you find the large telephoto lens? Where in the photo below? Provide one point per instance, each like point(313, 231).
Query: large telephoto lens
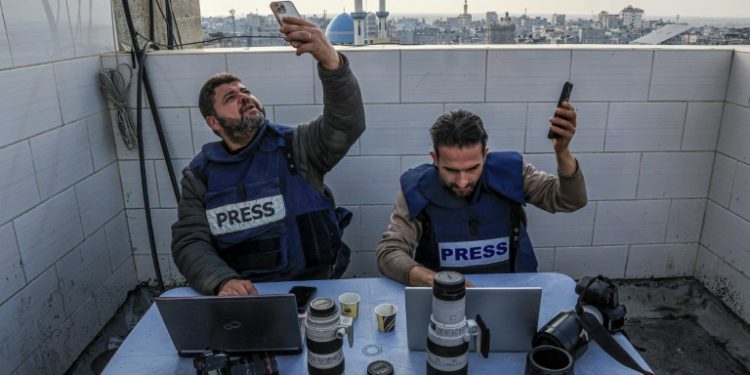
point(447, 344)
point(324, 348)
point(563, 331)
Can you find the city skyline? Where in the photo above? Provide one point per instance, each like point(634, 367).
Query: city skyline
point(652, 8)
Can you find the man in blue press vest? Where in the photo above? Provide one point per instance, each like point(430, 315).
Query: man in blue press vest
point(464, 212)
point(254, 206)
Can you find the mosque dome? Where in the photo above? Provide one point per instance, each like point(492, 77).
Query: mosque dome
point(341, 29)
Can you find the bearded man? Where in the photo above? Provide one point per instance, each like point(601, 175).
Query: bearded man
point(254, 206)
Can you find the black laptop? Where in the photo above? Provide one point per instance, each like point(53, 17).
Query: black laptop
point(235, 325)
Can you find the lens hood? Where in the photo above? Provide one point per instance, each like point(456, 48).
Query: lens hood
point(549, 360)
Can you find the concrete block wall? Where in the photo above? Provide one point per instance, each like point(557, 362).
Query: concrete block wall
point(723, 263)
point(65, 256)
point(649, 122)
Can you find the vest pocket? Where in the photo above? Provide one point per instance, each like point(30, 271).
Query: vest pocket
point(257, 255)
point(319, 236)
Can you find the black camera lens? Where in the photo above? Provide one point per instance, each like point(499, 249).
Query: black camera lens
point(380, 368)
point(597, 291)
point(549, 360)
point(449, 286)
point(323, 307)
point(563, 331)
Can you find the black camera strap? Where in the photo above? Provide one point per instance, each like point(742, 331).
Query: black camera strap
point(597, 332)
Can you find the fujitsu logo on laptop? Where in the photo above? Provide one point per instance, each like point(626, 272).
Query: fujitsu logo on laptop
point(232, 325)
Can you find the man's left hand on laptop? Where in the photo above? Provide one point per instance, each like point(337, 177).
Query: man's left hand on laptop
point(235, 287)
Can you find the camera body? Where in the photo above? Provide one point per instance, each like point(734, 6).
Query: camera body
point(597, 296)
point(449, 332)
point(219, 363)
point(324, 335)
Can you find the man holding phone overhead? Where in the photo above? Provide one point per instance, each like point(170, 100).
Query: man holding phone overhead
point(254, 206)
point(464, 212)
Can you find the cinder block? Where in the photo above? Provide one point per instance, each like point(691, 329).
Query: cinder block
point(99, 198)
point(398, 129)
point(591, 120)
point(293, 83)
point(706, 267)
point(631, 222)
point(364, 180)
point(702, 126)
point(132, 189)
point(162, 220)
point(10, 264)
point(78, 87)
point(112, 294)
point(675, 175)
point(177, 83)
point(21, 192)
point(645, 126)
point(377, 73)
point(48, 232)
point(727, 236)
point(62, 157)
point(363, 264)
point(64, 345)
point(144, 268)
point(578, 262)
point(545, 257)
point(427, 75)
point(118, 241)
point(294, 115)
point(722, 179)
point(514, 76)
point(164, 182)
point(610, 175)
point(505, 123)
point(665, 260)
point(735, 134)
point(34, 41)
point(82, 271)
point(22, 117)
point(375, 220)
point(610, 75)
point(738, 91)
point(561, 229)
point(690, 75)
point(102, 139)
point(740, 203)
point(175, 124)
point(91, 27)
point(409, 162)
point(6, 61)
point(686, 220)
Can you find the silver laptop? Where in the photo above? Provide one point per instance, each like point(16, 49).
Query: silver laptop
point(232, 324)
point(511, 314)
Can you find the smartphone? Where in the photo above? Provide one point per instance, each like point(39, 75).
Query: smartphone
point(302, 294)
point(564, 97)
point(283, 9)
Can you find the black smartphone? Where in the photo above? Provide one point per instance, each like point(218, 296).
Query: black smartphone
point(302, 294)
point(564, 97)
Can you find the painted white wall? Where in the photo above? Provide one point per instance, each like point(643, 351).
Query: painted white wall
point(65, 256)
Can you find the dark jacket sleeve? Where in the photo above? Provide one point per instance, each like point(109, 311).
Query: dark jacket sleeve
point(192, 247)
point(322, 143)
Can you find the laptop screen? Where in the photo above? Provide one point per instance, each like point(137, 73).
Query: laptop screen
point(237, 324)
point(511, 314)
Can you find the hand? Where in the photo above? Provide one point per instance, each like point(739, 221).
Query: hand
point(421, 276)
point(469, 284)
point(310, 39)
point(235, 287)
point(564, 126)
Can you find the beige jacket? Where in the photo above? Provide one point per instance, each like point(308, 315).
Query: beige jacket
point(544, 190)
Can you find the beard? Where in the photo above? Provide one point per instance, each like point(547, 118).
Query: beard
point(462, 194)
point(243, 130)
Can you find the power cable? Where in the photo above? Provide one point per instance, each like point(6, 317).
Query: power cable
point(115, 88)
point(210, 40)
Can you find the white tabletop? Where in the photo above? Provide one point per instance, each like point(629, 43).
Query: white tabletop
point(149, 350)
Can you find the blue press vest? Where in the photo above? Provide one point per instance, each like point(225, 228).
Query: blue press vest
point(471, 235)
point(266, 221)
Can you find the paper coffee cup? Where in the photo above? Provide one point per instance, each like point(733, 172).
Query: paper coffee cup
point(386, 315)
point(349, 304)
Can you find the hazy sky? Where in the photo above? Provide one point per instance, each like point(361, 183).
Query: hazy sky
point(652, 8)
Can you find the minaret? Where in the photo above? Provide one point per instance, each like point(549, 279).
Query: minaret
point(382, 22)
point(465, 18)
point(359, 23)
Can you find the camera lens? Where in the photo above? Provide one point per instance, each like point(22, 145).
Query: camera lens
point(549, 360)
point(324, 347)
point(447, 346)
point(563, 331)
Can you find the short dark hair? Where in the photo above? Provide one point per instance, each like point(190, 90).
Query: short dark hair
point(206, 96)
point(458, 128)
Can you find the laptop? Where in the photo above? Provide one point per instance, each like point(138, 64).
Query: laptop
point(235, 325)
point(511, 314)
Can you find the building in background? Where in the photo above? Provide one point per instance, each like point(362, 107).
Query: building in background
point(632, 17)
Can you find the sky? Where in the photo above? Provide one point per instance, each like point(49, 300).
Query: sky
point(652, 8)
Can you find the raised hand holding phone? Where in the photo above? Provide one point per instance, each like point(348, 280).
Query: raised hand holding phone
point(304, 36)
point(564, 97)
